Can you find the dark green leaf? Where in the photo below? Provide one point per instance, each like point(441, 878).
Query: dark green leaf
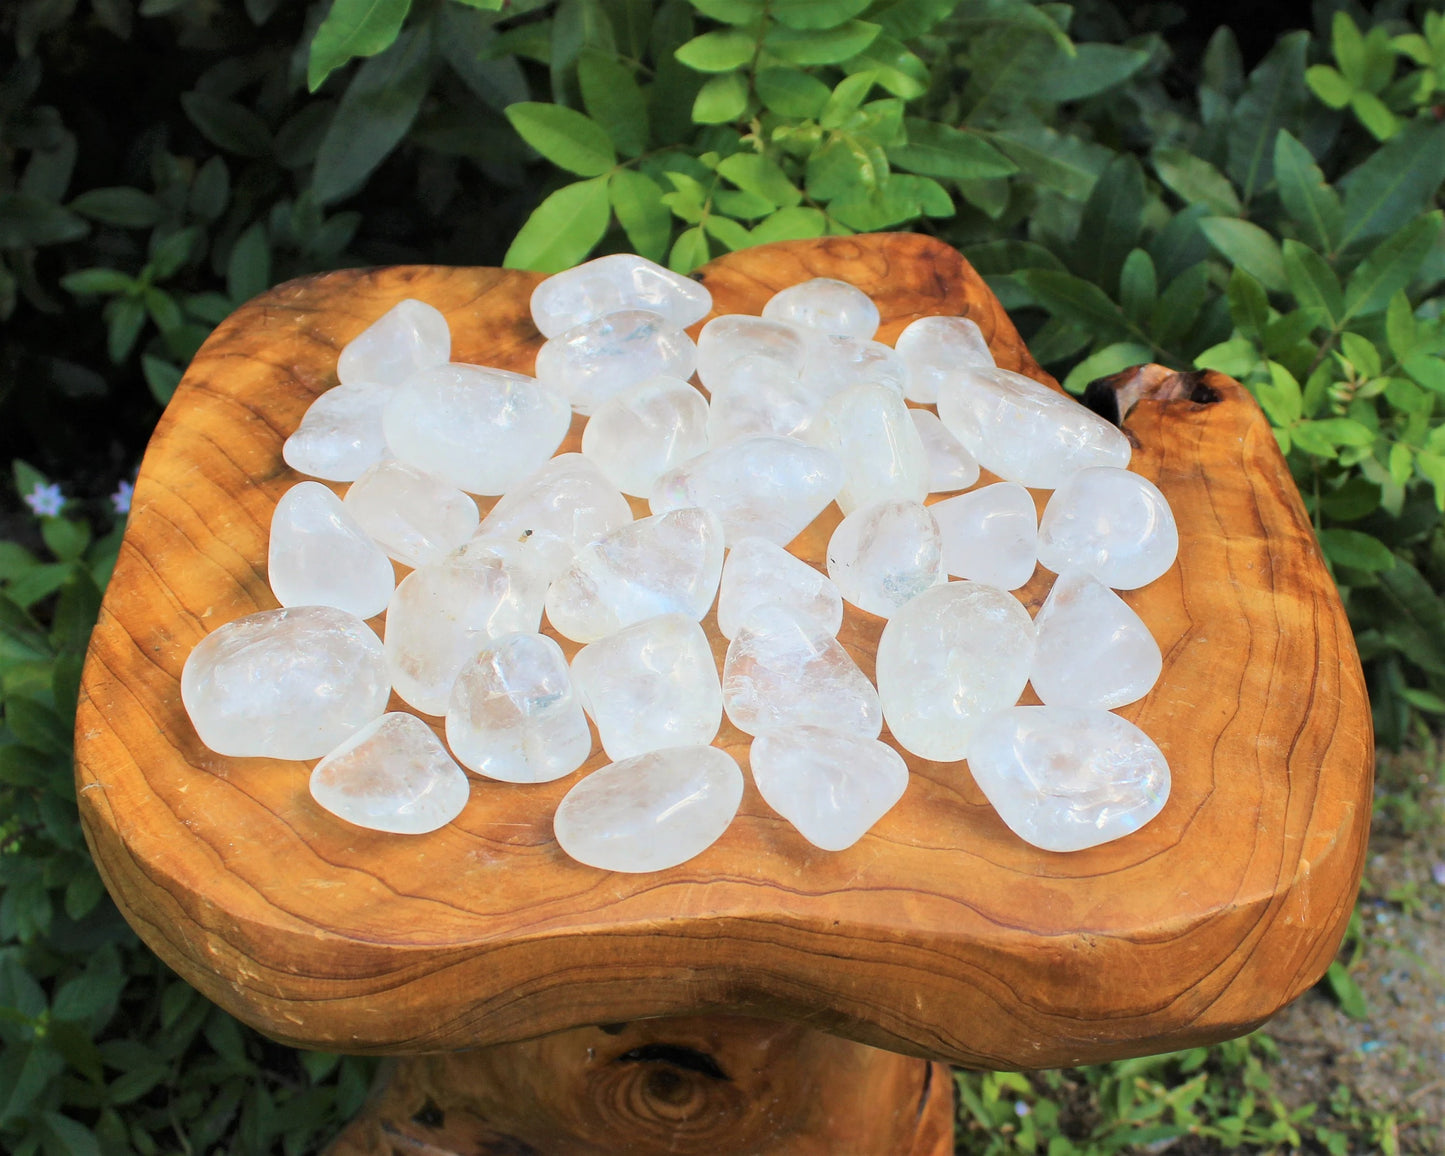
point(1059, 161)
point(36, 725)
point(124, 317)
point(909, 19)
point(1248, 304)
point(816, 14)
point(248, 271)
point(27, 220)
point(789, 92)
point(830, 46)
point(723, 99)
point(1112, 222)
point(1245, 244)
point(1391, 266)
point(161, 377)
point(1346, 992)
point(353, 28)
point(1396, 183)
point(718, 51)
point(1356, 550)
point(1076, 300)
point(1275, 98)
point(1411, 614)
point(212, 190)
point(172, 249)
point(1178, 307)
point(1308, 198)
point(121, 206)
point(613, 100)
point(565, 137)
point(1313, 283)
point(563, 229)
point(1138, 285)
point(1093, 69)
point(467, 39)
point(936, 150)
point(227, 125)
point(90, 281)
point(1196, 181)
point(637, 201)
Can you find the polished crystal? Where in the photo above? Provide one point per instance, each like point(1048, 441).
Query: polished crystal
point(758, 572)
point(409, 336)
point(642, 432)
point(950, 465)
point(593, 361)
point(868, 427)
point(827, 305)
point(1093, 650)
point(319, 555)
point(613, 283)
point(415, 517)
point(990, 534)
point(935, 348)
point(733, 347)
point(884, 555)
point(340, 435)
point(1112, 524)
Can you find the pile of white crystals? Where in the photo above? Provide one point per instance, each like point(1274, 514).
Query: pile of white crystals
point(802, 409)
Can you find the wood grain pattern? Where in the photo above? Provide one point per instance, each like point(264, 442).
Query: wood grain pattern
point(939, 934)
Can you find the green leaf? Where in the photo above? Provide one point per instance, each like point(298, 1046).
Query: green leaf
point(910, 19)
point(1061, 162)
point(124, 317)
point(64, 538)
point(564, 136)
point(816, 14)
point(227, 125)
point(937, 150)
point(71, 1137)
point(829, 46)
point(1374, 115)
point(563, 229)
point(729, 232)
point(718, 51)
point(637, 201)
point(1247, 245)
point(1308, 198)
point(795, 224)
point(1313, 283)
point(248, 270)
point(1355, 549)
point(613, 99)
point(845, 99)
point(1248, 304)
point(1177, 310)
point(1138, 285)
point(468, 41)
point(1391, 266)
point(1426, 370)
point(1327, 84)
point(730, 11)
point(722, 100)
point(211, 190)
point(86, 282)
point(353, 28)
point(789, 92)
point(1111, 359)
point(1281, 396)
point(1075, 300)
point(1111, 223)
point(1347, 993)
point(688, 251)
point(1094, 68)
point(1401, 330)
point(1274, 97)
point(121, 206)
point(762, 176)
point(1237, 357)
point(1396, 183)
point(896, 68)
point(1196, 181)
point(27, 220)
point(161, 377)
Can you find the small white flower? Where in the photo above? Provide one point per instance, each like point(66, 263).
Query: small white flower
point(121, 498)
point(46, 501)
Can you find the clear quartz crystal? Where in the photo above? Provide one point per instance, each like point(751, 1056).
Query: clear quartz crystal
point(651, 811)
point(641, 433)
point(838, 363)
point(831, 786)
point(612, 283)
point(320, 556)
point(1065, 779)
point(990, 534)
point(1112, 524)
point(340, 436)
point(935, 348)
point(735, 346)
point(758, 572)
point(784, 670)
point(409, 336)
point(286, 684)
point(393, 775)
point(1093, 650)
point(591, 362)
point(650, 685)
point(513, 714)
point(826, 305)
point(953, 656)
point(758, 399)
point(884, 555)
point(950, 465)
point(415, 517)
point(868, 427)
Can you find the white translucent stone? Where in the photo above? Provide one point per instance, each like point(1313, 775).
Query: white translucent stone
point(757, 400)
point(1093, 651)
point(758, 572)
point(883, 556)
point(650, 685)
point(340, 436)
point(831, 786)
point(641, 433)
point(392, 775)
point(1112, 524)
point(954, 655)
point(669, 563)
point(950, 465)
point(826, 305)
point(319, 556)
point(1065, 779)
point(768, 487)
point(990, 534)
point(1024, 431)
point(483, 430)
point(784, 670)
point(409, 336)
point(868, 427)
point(838, 363)
point(935, 348)
point(652, 811)
point(612, 283)
point(733, 346)
point(593, 361)
point(286, 684)
point(414, 516)
point(442, 614)
point(513, 714)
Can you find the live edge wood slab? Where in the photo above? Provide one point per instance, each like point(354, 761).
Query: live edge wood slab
point(940, 934)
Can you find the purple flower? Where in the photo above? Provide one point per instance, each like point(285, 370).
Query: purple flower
point(46, 501)
point(121, 498)
point(1021, 1109)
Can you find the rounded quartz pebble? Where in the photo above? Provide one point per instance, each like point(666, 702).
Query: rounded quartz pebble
point(591, 362)
point(990, 535)
point(650, 685)
point(757, 400)
point(285, 684)
point(838, 363)
point(669, 563)
point(409, 336)
point(483, 430)
point(950, 465)
point(393, 775)
point(784, 670)
point(641, 433)
point(935, 348)
point(613, 283)
point(827, 305)
point(1093, 651)
point(652, 811)
point(319, 555)
point(735, 346)
point(950, 658)
point(415, 517)
point(831, 786)
point(1112, 524)
point(884, 555)
point(1064, 779)
point(758, 572)
point(868, 427)
point(340, 435)
point(513, 714)
point(1025, 432)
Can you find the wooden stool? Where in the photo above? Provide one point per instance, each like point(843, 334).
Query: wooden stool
point(738, 1003)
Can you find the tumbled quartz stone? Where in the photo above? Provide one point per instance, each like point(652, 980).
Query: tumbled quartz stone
point(641, 433)
point(826, 305)
point(513, 714)
point(669, 563)
point(935, 348)
point(611, 284)
point(838, 363)
point(320, 556)
point(990, 534)
point(784, 670)
point(868, 427)
point(1112, 524)
point(443, 614)
point(340, 436)
point(409, 336)
point(831, 786)
point(950, 658)
point(481, 429)
point(758, 572)
point(884, 555)
point(394, 776)
point(415, 517)
point(650, 685)
point(652, 811)
point(1024, 431)
point(1065, 779)
point(950, 465)
point(734, 346)
point(1093, 651)
point(757, 400)
point(286, 684)
point(593, 361)
point(769, 487)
